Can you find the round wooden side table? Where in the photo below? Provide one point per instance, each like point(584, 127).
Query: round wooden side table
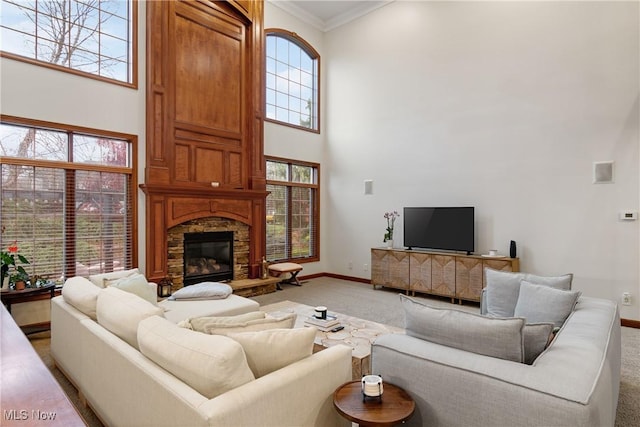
point(395, 406)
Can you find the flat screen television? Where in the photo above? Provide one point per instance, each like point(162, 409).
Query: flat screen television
point(450, 229)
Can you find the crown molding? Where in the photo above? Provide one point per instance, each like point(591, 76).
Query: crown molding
point(364, 8)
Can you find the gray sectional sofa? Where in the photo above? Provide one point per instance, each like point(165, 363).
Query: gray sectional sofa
point(574, 382)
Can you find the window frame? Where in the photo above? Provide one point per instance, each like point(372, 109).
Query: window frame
point(70, 166)
point(316, 208)
point(134, 58)
point(315, 56)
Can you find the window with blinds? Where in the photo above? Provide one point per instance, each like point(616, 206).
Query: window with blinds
point(67, 199)
point(293, 212)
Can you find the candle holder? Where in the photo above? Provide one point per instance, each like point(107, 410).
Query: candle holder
point(372, 387)
point(164, 287)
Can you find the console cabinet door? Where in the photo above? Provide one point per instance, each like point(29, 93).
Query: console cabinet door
point(443, 275)
point(468, 278)
point(399, 270)
point(420, 272)
point(379, 267)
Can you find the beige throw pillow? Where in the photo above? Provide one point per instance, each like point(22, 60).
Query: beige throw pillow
point(82, 294)
point(273, 349)
point(214, 326)
point(120, 312)
point(199, 323)
point(136, 284)
point(103, 280)
point(210, 364)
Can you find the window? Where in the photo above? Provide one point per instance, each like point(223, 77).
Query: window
point(293, 210)
point(67, 198)
point(292, 81)
point(88, 37)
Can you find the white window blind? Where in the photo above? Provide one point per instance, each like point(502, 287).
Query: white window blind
point(292, 211)
point(66, 200)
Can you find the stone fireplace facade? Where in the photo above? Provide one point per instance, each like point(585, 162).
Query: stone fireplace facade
point(175, 246)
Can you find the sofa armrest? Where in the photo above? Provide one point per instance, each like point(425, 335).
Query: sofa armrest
point(300, 394)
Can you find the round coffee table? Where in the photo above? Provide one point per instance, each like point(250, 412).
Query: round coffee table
point(396, 405)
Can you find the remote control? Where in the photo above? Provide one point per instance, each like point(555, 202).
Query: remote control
point(337, 328)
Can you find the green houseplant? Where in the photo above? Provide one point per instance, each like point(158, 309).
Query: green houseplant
point(9, 266)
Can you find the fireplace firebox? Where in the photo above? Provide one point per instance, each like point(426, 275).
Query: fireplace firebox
point(208, 256)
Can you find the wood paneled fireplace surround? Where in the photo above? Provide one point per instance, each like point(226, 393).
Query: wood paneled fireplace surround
point(205, 167)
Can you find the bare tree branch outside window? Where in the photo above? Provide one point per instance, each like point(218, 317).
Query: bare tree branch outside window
point(92, 36)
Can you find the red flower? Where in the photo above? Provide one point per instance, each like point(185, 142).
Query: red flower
point(13, 249)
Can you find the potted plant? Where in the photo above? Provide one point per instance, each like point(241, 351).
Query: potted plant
point(19, 279)
point(9, 259)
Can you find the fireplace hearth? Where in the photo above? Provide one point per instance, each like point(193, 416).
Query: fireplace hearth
point(208, 256)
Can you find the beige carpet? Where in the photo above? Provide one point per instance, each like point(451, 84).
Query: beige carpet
point(383, 306)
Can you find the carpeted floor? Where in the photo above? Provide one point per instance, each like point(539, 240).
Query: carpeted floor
point(383, 306)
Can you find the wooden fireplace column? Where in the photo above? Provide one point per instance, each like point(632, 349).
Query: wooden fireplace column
point(204, 114)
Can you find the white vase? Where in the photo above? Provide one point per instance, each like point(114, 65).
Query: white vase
point(390, 243)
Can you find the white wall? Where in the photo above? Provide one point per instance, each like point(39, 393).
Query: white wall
point(498, 105)
point(35, 92)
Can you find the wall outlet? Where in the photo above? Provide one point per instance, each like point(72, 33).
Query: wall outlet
point(350, 265)
point(626, 298)
point(365, 267)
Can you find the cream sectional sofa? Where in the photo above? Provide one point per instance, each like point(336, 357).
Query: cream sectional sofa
point(126, 388)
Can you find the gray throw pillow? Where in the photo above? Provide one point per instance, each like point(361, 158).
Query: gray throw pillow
point(495, 337)
point(203, 291)
point(502, 289)
point(538, 303)
point(536, 339)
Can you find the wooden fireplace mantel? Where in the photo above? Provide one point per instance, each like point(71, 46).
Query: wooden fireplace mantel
point(167, 207)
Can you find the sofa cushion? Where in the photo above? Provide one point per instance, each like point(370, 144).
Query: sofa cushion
point(199, 323)
point(82, 294)
point(213, 325)
point(136, 284)
point(539, 303)
point(536, 337)
point(270, 350)
point(104, 279)
point(204, 290)
point(502, 289)
point(120, 312)
point(210, 364)
point(496, 337)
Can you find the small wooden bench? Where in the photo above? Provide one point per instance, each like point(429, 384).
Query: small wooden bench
point(292, 268)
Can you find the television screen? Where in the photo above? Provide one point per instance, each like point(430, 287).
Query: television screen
point(439, 228)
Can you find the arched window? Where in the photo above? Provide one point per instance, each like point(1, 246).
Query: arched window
point(293, 81)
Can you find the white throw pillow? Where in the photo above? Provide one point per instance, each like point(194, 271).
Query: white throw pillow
point(495, 337)
point(268, 351)
point(204, 290)
point(199, 323)
point(212, 326)
point(120, 312)
point(210, 364)
point(503, 287)
point(137, 284)
point(82, 294)
point(539, 303)
point(103, 280)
